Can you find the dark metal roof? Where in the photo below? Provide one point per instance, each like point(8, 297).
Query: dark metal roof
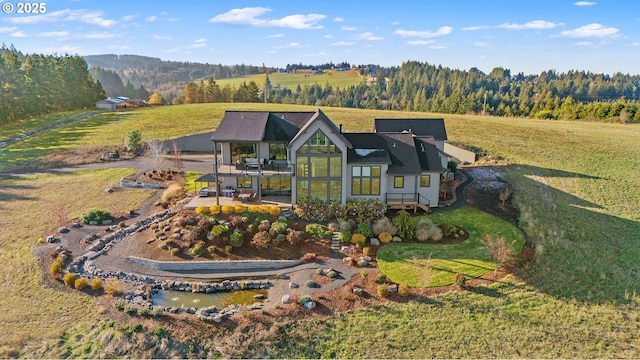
point(368, 148)
point(428, 155)
point(241, 126)
point(320, 116)
point(402, 150)
point(206, 178)
point(421, 127)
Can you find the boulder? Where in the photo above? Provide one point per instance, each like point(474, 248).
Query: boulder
point(63, 230)
point(357, 291)
point(310, 305)
point(76, 225)
point(286, 299)
point(374, 242)
point(346, 260)
point(293, 285)
point(107, 222)
point(396, 239)
point(393, 288)
point(258, 296)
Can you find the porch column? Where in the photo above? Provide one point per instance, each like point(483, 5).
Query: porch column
point(215, 172)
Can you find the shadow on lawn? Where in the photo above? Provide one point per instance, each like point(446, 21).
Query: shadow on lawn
point(581, 253)
point(9, 187)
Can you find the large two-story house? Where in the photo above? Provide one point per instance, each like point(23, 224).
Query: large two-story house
point(305, 155)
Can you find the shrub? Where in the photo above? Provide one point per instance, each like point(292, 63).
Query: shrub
point(81, 283)
point(214, 209)
point(459, 280)
point(383, 225)
point(426, 229)
point(261, 240)
point(275, 210)
point(211, 249)
point(253, 209)
point(403, 290)
point(280, 238)
point(452, 166)
point(227, 209)
point(239, 209)
point(332, 274)
point(202, 210)
point(144, 312)
point(133, 141)
point(236, 239)
point(406, 226)
point(56, 268)
point(365, 210)
point(119, 304)
point(96, 215)
point(310, 284)
point(382, 277)
point(197, 250)
point(333, 226)
point(174, 251)
point(237, 220)
point(264, 225)
point(228, 249)
point(345, 237)
point(112, 286)
point(218, 230)
point(161, 332)
point(358, 240)
point(385, 237)
point(96, 284)
point(363, 274)
point(172, 194)
point(318, 210)
point(383, 290)
point(70, 279)
point(304, 299)
point(366, 250)
point(344, 225)
point(319, 271)
point(365, 230)
point(157, 312)
point(295, 237)
point(309, 256)
point(362, 263)
point(317, 231)
point(130, 310)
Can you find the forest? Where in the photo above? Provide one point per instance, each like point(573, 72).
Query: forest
point(34, 85)
point(416, 86)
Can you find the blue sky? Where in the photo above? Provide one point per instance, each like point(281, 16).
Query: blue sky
point(600, 36)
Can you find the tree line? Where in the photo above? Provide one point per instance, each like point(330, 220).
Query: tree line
point(417, 86)
point(34, 85)
point(114, 87)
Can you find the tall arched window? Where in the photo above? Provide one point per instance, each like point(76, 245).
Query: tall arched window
point(319, 169)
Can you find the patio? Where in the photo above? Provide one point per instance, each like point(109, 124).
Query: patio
point(281, 201)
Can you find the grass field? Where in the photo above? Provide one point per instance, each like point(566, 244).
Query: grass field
point(407, 263)
point(337, 79)
point(576, 184)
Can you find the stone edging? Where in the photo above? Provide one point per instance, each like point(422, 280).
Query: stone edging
point(217, 265)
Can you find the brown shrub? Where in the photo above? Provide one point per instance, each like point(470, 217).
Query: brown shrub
point(261, 240)
point(172, 194)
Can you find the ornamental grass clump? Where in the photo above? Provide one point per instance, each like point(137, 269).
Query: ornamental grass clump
point(383, 290)
point(384, 225)
point(358, 240)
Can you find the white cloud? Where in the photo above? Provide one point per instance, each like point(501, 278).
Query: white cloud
point(291, 45)
point(368, 36)
point(420, 42)
point(584, 3)
point(151, 19)
point(536, 25)
point(343, 43)
point(474, 28)
point(198, 44)
point(338, 19)
point(98, 35)
point(480, 44)
point(54, 34)
point(274, 36)
point(594, 30)
point(129, 17)
point(19, 34)
point(94, 17)
point(171, 19)
point(161, 37)
point(348, 28)
point(395, 23)
point(584, 43)
point(249, 17)
point(328, 36)
point(635, 44)
point(7, 29)
point(445, 30)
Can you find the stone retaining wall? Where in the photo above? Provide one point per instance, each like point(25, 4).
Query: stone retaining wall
point(225, 266)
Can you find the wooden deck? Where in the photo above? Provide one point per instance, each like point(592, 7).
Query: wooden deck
point(406, 205)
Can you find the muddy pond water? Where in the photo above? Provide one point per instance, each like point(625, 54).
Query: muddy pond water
point(221, 299)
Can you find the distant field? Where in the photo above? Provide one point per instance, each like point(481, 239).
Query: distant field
point(337, 79)
point(576, 184)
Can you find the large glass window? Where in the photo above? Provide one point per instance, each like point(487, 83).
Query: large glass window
point(277, 185)
point(398, 182)
point(365, 180)
point(277, 151)
point(242, 151)
point(244, 182)
point(319, 169)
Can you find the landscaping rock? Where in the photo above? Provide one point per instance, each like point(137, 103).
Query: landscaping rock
point(366, 258)
point(357, 291)
point(346, 260)
point(362, 262)
point(76, 225)
point(93, 223)
point(52, 239)
point(374, 242)
point(393, 288)
point(310, 305)
point(293, 285)
point(396, 239)
point(344, 249)
point(63, 230)
point(258, 296)
point(286, 299)
point(107, 222)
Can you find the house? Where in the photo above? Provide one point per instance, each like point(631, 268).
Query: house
point(110, 104)
point(303, 155)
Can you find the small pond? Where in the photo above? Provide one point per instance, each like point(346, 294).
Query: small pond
point(221, 299)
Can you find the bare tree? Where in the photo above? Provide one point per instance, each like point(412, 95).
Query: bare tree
point(155, 154)
point(177, 157)
point(505, 194)
point(500, 251)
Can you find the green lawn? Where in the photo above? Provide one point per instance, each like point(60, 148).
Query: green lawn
point(36, 123)
point(407, 263)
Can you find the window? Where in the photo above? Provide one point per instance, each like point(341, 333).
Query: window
point(365, 180)
point(242, 151)
point(319, 169)
point(425, 180)
point(398, 182)
point(244, 182)
point(277, 151)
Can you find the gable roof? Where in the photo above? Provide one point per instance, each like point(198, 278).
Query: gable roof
point(421, 127)
point(402, 151)
point(320, 116)
point(428, 155)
